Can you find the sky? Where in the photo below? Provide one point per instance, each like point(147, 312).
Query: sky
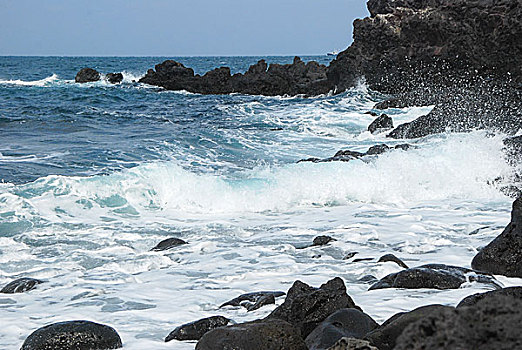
point(176, 27)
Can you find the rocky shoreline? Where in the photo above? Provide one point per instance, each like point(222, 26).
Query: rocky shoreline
point(463, 57)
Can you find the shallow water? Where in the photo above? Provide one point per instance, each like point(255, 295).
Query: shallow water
point(94, 175)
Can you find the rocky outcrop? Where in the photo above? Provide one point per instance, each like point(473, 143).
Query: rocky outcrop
point(350, 323)
point(493, 323)
point(503, 256)
point(435, 276)
point(306, 306)
point(73, 335)
point(267, 334)
point(21, 285)
point(260, 79)
point(87, 75)
point(195, 330)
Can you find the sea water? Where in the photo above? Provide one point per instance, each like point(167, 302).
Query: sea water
point(92, 176)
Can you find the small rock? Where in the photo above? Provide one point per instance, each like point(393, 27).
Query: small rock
point(392, 258)
point(195, 330)
point(306, 306)
point(322, 240)
point(87, 75)
point(350, 323)
point(377, 149)
point(362, 259)
point(272, 334)
point(168, 244)
point(382, 122)
point(21, 285)
point(268, 299)
point(352, 344)
point(114, 78)
point(84, 335)
point(350, 255)
point(252, 297)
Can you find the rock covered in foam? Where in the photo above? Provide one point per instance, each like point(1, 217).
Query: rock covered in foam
point(195, 330)
point(306, 306)
point(84, 335)
point(503, 256)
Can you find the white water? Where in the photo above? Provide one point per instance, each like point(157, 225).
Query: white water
point(90, 237)
point(42, 82)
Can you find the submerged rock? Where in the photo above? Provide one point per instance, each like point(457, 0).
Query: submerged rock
point(503, 256)
point(350, 323)
point(381, 123)
point(492, 323)
point(114, 78)
point(195, 330)
point(306, 306)
point(21, 285)
point(69, 335)
point(87, 75)
point(385, 337)
point(168, 244)
point(253, 297)
point(266, 334)
point(436, 276)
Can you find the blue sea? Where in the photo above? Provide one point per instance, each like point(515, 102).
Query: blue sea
point(92, 176)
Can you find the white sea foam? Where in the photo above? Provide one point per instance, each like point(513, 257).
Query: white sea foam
point(42, 82)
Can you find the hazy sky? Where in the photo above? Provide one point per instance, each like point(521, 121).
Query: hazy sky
point(176, 27)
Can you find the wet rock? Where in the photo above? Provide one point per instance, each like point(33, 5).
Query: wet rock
point(260, 302)
point(352, 344)
point(435, 276)
point(361, 260)
point(322, 240)
point(306, 306)
point(492, 323)
point(381, 123)
point(385, 337)
point(87, 75)
point(503, 256)
point(69, 335)
point(168, 244)
point(350, 255)
point(114, 78)
point(377, 149)
point(368, 279)
point(21, 285)
point(350, 323)
point(195, 330)
point(266, 334)
point(392, 258)
point(253, 297)
point(515, 292)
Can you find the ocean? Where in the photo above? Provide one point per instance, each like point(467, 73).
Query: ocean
point(92, 176)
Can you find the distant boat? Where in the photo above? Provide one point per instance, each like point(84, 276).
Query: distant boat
point(333, 53)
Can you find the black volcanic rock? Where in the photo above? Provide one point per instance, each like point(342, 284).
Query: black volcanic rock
point(168, 243)
point(350, 323)
point(251, 297)
point(195, 330)
point(435, 276)
point(306, 306)
point(114, 78)
point(265, 334)
point(503, 256)
point(260, 79)
point(21, 285)
point(515, 292)
point(392, 258)
point(84, 335)
point(87, 75)
point(382, 122)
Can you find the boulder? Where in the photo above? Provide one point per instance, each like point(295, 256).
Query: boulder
point(385, 336)
point(168, 244)
point(381, 123)
point(492, 323)
point(515, 292)
point(21, 285)
point(69, 335)
point(195, 330)
point(350, 323)
point(253, 297)
point(266, 334)
point(435, 276)
point(503, 256)
point(352, 344)
point(306, 306)
point(87, 75)
point(114, 78)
